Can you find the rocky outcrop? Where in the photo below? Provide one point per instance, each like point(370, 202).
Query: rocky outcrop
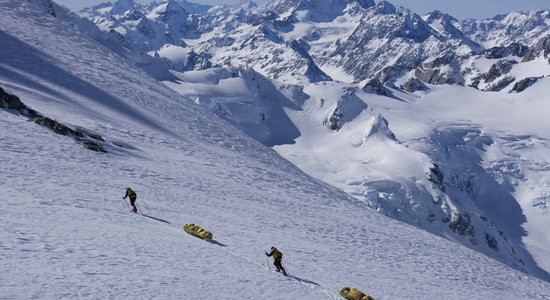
point(442, 70)
point(498, 69)
point(413, 85)
point(335, 121)
point(89, 140)
point(313, 72)
point(500, 85)
point(542, 47)
point(515, 49)
point(379, 126)
point(46, 5)
point(461, 224)
point(436, 177)
point(523, 84)
point(377, 87)
point(389, 74)
point(349, 106)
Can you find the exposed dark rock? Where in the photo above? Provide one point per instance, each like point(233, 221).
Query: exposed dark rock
point(491, 241)
point(523, 84)
point(541, 47)
point(436, 177)
point(389, 74)
point(498, 86)
point(462, 225)
point(380, 126)
point(8, 101)
point(80, 135)
point(413, 84)
point(47, 5)
point(94, 136)
point(54, 125)
point(196, 62)
point(313, 72)
point(475, 82)
point(514, 49)
point(90, 145)
point(335, 120)
point(498, 69)
point(348, 107)
point(375, 86)
point(441, 70)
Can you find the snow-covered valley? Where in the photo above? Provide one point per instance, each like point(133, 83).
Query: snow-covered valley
point(419, 157)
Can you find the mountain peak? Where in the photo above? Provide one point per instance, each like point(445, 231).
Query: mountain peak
point(379, 126)
point(194, 8)
point(365, 3)
point(168, 12)
point(438, 15)
point(108, 9)
point(246, 4)
point(318, 10)
point(385, 8)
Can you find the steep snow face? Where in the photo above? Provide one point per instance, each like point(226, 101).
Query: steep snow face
point(245, 98)
point(64, 230)
point(515, 27)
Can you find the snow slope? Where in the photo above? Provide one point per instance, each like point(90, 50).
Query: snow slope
point(65, 233)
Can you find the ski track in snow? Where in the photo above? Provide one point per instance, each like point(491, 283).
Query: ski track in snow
point(65, 231)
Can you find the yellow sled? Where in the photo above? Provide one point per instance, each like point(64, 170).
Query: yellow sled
point(353, 294)
point(197, 231)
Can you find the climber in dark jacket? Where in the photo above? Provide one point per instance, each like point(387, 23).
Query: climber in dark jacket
point(277, 258)
point(133, 196)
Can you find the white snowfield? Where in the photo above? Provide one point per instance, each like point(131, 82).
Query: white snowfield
point(65, 232)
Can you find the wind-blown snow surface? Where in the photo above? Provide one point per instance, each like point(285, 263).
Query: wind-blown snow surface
point(65, 232)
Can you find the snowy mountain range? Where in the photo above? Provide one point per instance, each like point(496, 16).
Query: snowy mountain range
point(309, 41)
point(429, 120)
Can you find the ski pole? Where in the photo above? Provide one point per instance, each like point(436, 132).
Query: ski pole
point(267, 259)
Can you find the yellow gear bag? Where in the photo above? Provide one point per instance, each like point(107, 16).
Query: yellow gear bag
point(198, 231)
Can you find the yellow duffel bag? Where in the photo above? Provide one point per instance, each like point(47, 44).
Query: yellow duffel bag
point(353, 294)
point(197, 231)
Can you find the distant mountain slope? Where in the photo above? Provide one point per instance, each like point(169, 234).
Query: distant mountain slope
point(515, 27)
point(312, 41)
